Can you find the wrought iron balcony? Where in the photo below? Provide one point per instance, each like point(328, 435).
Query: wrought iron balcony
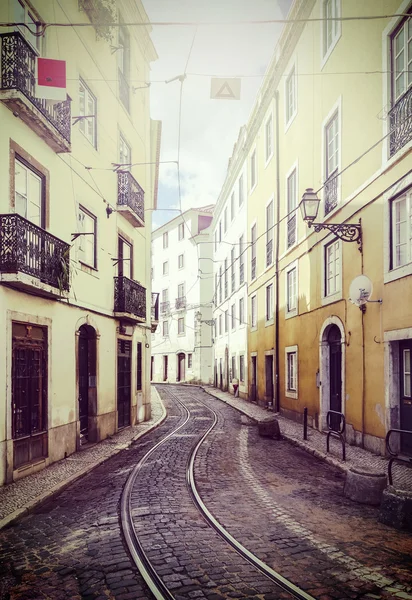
point(130, 198)
point(181, 302)
point(291, 233)
point(164, 307)
point(400, 123)
point(269, 252)
point(241, 273)
point(124, 90)
point(101, 13)
point(129, 298)
point(31, 258)
point(330, 192)
point(50, 120)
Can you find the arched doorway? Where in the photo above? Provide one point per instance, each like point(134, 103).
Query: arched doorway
point(87, 379)
point(181, 361)
point(332, 370)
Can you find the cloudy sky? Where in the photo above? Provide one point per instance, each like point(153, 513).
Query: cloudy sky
point(209, 128)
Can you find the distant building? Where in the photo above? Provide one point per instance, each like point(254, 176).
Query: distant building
point(75, 291)
point(182, 274)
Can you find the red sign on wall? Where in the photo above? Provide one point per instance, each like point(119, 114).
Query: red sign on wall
point(51, 79)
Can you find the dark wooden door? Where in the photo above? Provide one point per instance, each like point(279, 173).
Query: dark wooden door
point(335, 374)
point(165, 365)
point(124, 378)
point(254, 380)
point(83, 383)
point(406, 395)
point(181, 359)
point(269, 377)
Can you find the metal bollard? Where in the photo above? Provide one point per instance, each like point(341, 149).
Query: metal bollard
point(305, 423)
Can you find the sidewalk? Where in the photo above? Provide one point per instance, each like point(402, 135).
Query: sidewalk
point(22, 495)
point(316, 443)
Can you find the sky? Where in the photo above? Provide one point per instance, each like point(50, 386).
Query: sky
point(209, 128)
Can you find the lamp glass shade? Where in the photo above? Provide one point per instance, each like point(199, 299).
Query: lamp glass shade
point(309, 206)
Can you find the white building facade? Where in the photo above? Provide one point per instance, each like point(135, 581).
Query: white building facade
point(230, 243)
point(182, 275)
point(75, 223)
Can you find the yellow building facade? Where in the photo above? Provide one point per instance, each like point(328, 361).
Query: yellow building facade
point(78, 181)
point(334, 113)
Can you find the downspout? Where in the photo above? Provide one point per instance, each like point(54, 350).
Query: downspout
point(277, 396)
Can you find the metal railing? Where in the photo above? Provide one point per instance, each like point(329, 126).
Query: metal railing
point(164, 307)
point(330, 192)
point(181, 302)
point(129, 193)
point(27, 248)
point(400, 122)
point(129, 297)
point(394, 455)
point(336, 424)
point(18, 69)
point(124, 90)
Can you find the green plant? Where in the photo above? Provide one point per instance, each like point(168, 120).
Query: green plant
point(102, 13)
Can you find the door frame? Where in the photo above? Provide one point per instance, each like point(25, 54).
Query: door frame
point(324, 368)
point(181, 357)
point(392, 341)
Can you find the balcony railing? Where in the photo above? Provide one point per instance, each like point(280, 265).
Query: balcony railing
point(27, 248)
point(164, 307)
point(400, 123)
point(129, 297)
point(155, 306)
point(18, 68)
point(181, 302)
point(291, 233)
point(130, 194)
point(269, 252)
point(124, 91)
point(330, 192)
point(253, 268)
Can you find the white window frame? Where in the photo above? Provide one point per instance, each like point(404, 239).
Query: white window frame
point(181, 231)
point(270, 320)
point(87, 241)
point(165, 268)
point(225, 220)
point(165, 329)
point(291, 350)
point(241, 367)
point(291, 95)
point(270, 231)
point(123, 143)
point(89, 133)
point(401, 190)
point(253, 312)
point(232, 206)
point(31, 17)
point(220, 324)
point(181, 261)
point(268, 139)
point(326, 52)
point(336, 108)
point(165, 240)
point(226, 320)
point(294, 169)
point(180, 330)
point(338, 294)
point(233, 316)
point(253, 249)
point(233, 367)
point(253, 169)
point(294, 311)
point(190, 360)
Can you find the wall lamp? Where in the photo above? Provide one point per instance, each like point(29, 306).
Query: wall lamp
point(347, 232)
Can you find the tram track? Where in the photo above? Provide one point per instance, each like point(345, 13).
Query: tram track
point(140, 557)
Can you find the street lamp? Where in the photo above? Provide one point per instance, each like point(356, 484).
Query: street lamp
point(347, 232)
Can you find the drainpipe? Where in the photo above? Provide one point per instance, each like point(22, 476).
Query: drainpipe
point(363, 309)
point(277, 396)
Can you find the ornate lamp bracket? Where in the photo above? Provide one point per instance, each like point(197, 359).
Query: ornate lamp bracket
point(347, 232)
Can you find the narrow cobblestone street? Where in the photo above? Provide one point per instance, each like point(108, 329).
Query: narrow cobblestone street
point(281, 503)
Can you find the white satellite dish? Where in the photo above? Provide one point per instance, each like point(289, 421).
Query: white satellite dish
point(360, 290)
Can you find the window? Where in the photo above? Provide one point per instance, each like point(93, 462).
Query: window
point(241, 262)
point(181, 231)
point(87, 242)
point(331, 163)
point(165, 328)
point(401, 225)
point(29, 191)
point(180, 261)
point(233, 367)
point(189, 361)
point(123, 61)
point(331, 28)
point(291, 190)
point(332, 268)
point(225, 220)
point(139, 367)
point(220, 231)
point(181, 326)
point(125, 153)
point(88, 110)
point(253, 309)
point(241, 197)
point(401, 82)
point(165, 240)
point(241, 367)
point(253, 170)
point(241, 311)
point(291, 371)
point(125, 258)
point(181, 290)
point(22, 14)
point(220, 325)
point(232, 269)
point(269, 302)
point(290, 96)
point(253, 236)
point(220, 284)
point(165, 295)
point(269, 138)
point(166, 268)
point(269, 233)
point(232, 206)
point(226, 321)
point(233, 309)
point(225, 278)
point(291, 291)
